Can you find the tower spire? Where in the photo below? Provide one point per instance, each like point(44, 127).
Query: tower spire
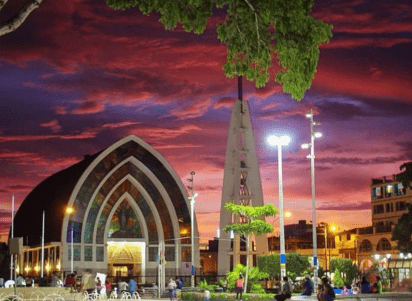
point(241, 183)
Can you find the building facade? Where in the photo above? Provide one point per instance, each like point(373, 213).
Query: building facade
point(130, 212)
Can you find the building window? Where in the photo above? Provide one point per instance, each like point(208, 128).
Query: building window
point(399, 189)
point(153, 254)
point(383, 245)
point(388, 191)
point(400, 206)
point(76, 252)
point(186, 254)
point(347, 236)
point(389, 207)
point(170, 253)
point(99, 253)
point(378, 209)
point(377, 193)
point(88, 253)
point(365, 246)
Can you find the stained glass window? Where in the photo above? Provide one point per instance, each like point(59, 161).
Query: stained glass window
point(88, 253)
point(99, 253)
point(76, 252)
point(124, 223)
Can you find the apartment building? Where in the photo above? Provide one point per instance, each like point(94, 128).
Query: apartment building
point(389, 200)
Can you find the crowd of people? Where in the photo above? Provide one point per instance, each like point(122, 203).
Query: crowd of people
point(325, 290)
point(175, 288)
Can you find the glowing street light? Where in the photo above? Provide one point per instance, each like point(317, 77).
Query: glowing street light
point(311, 145)
point(279, 141)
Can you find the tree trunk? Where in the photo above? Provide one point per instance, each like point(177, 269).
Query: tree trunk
point(247, 260)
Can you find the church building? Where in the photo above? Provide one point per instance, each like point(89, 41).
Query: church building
point(129, 212)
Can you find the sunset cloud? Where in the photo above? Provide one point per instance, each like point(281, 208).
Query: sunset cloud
point(53, 125)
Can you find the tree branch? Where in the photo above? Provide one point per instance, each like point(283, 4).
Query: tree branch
point(20, 17)
point(256, 21)
point(3, 3)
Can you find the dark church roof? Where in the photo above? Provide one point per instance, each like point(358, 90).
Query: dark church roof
point(52, 196)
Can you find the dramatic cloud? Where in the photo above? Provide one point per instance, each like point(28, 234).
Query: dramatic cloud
point(53, 125)
point(196, 109)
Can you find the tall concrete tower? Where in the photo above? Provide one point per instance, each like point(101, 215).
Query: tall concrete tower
point(241, 185)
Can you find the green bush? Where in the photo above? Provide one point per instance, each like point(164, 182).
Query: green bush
point(254, 276)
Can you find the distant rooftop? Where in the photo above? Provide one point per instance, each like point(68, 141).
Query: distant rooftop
point(384, 179)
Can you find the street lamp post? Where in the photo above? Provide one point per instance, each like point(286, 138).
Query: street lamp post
point(279, 141)
point(313, 135)
point(333, 229)
point(192, 228)
point(326, 247)
point(70, 210)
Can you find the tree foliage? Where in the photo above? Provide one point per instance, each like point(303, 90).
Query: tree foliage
point(251, 223)
point(14, 22)
point(337, 279)
point(345, 266)
point(403, 231)
point(254, 225)
point(257, 34)
point(296, 264)
point(405, 176)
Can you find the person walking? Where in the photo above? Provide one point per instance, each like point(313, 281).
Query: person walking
point(286, 291)
point(239, 287)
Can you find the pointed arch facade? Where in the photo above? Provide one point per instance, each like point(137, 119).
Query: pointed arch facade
point(129, 171)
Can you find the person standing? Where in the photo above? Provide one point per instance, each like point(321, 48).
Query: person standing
point(132, 286)
point(88, 284)
point(171, 286)
point(286, 291)
point(207, 295)
point(224, 285)
point(239, 287)
point(108, 287)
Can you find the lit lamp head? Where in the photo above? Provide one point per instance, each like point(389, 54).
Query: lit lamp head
point(333, 228)
point(275, 140)
point(317, 135)
point(309, 114)
point(69, 209)
point(288, 214)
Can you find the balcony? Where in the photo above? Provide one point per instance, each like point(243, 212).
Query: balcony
point(368, 230)
point(383, 229)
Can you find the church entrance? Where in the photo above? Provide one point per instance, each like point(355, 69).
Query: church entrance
point(125, 259)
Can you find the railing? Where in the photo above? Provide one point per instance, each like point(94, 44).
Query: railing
point(382, 229)
point(368, 230)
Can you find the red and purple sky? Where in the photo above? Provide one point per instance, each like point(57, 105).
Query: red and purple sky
point(78, 76)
